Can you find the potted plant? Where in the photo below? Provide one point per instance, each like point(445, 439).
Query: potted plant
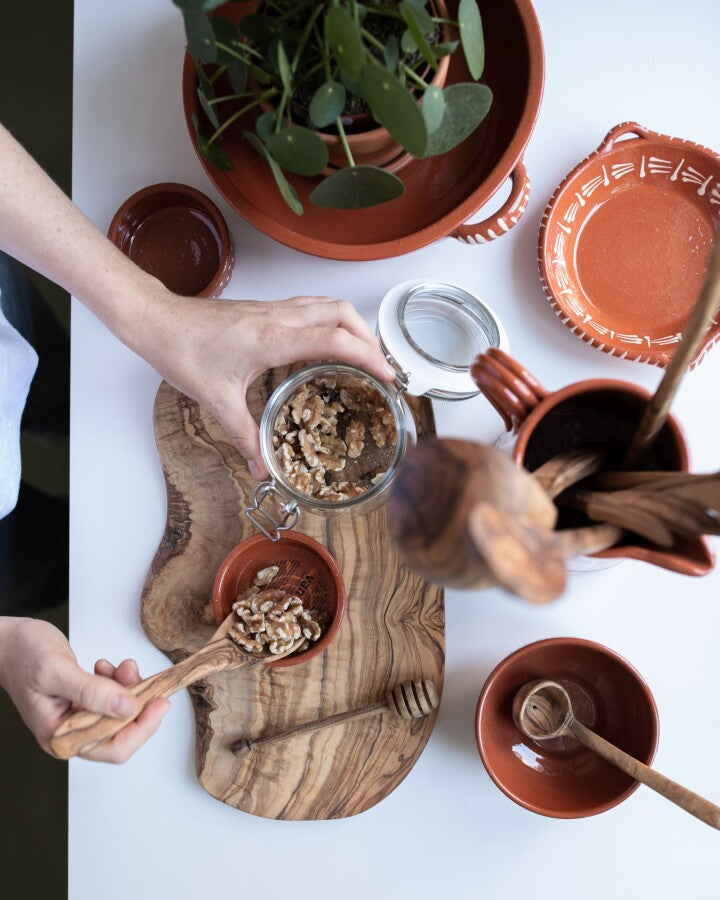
point(341, 88)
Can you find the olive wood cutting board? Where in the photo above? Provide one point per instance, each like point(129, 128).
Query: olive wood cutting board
point(393, 632)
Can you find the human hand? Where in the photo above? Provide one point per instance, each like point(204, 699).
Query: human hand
point(40, 673)
point(213, 349)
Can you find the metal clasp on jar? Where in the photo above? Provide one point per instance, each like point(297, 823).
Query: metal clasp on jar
point(264, 520)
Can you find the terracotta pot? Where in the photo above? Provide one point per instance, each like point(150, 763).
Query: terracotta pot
point(560, 778)
point(598, 411)
point(178, 235)
point(441, 192)
point(306, 570)
point(625, 242)
point(376, 147)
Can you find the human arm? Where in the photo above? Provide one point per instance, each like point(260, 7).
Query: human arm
point(40, 673)
point(210, 350)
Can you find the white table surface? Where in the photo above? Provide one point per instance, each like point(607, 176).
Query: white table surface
point(147, 829)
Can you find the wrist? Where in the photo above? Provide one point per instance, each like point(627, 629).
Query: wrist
point(8, 626)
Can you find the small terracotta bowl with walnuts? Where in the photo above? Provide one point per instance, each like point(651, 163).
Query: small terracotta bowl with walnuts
point(305, 570)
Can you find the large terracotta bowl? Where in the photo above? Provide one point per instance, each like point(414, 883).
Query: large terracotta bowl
point(441, 192)
point(561, 778)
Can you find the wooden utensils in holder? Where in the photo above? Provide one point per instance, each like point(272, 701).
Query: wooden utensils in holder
point(409, 700)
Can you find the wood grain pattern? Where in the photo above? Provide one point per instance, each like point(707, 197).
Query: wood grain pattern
point(393, 632)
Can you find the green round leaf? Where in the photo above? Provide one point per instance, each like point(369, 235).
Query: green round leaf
point(351, 85)
point(466, 105)
point(200, 36)
point(258, 27)
point(237, 73)
point(407, 43)
point(395, 108)
point(357, 188)
point(391, 54)
point(471, 35)
point(227, 33)
point(419, 24)
point(265, 125)
point(433, 108)
point(213, 153)
point(287, 191)
point(298, 150)
point(208, 110)
point(343, 36)
point(327, 103)
point(199, 5)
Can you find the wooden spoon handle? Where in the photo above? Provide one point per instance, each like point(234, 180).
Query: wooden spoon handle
point(689, 801)
point(657, 410)
point(603, 508)
point(580, 541)
point(569, 467)
point(82, 730)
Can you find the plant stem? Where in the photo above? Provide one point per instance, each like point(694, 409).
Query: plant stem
point(415, 77)
point(231, 97)
point(217, 73)
point(370, 38)
point(344, 141)
point(236, 54)
point(305, 35)
point(240, 112)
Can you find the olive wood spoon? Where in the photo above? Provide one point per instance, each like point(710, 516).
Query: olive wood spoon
point(703, 487)
point(526, 559)
point(653, 514)
point(543, 710)
point(656, 412)
point(409, 700)
point(82, 730)
point(569, 467)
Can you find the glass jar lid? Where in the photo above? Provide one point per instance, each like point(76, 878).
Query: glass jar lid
point(432, 332)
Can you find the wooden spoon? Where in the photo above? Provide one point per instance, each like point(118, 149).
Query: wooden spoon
point(654, 514)
point(542, 710)
point(704, 488)
point(657, 410)
point(82, 730)
point(569, 467)
point(528, 560)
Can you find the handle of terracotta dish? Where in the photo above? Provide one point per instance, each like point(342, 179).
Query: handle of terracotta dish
point(621, 130)
point(503, 220)
point(82, 730)
point(510, 388)
point(688, 800)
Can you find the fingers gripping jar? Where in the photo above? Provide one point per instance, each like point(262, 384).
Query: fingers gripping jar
point(431, 333)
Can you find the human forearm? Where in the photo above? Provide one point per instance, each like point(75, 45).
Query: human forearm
point(40, 226)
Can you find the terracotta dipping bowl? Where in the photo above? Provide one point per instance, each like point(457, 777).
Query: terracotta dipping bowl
point(306, 570)
point(561, 778)
point(178, 235)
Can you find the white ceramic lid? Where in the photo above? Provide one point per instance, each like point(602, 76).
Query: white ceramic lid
point(432, 332)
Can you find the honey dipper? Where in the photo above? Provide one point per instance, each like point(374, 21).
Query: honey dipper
point(409, 700)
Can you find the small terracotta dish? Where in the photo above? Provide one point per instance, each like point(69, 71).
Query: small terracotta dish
point(178, 235)
point(306, 570)
point(625, 241)
point(559, 777)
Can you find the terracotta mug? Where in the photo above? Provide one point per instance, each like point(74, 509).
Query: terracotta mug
point(597, 411)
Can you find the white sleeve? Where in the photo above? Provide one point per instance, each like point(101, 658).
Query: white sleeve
point(18, 362)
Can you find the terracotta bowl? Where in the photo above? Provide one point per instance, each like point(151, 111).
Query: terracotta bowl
point(178, 235)
point(306, 569)
point(625, 242)
point(441, 192)
point(560, 778)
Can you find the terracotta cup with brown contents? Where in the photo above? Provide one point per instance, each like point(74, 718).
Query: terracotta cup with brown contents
point(597, 411)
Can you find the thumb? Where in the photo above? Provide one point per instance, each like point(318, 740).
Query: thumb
point(244, 434)
point(95, 693)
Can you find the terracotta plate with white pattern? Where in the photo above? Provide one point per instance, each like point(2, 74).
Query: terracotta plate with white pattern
point(625, 241)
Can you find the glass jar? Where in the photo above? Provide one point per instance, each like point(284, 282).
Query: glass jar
point(431, 333)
